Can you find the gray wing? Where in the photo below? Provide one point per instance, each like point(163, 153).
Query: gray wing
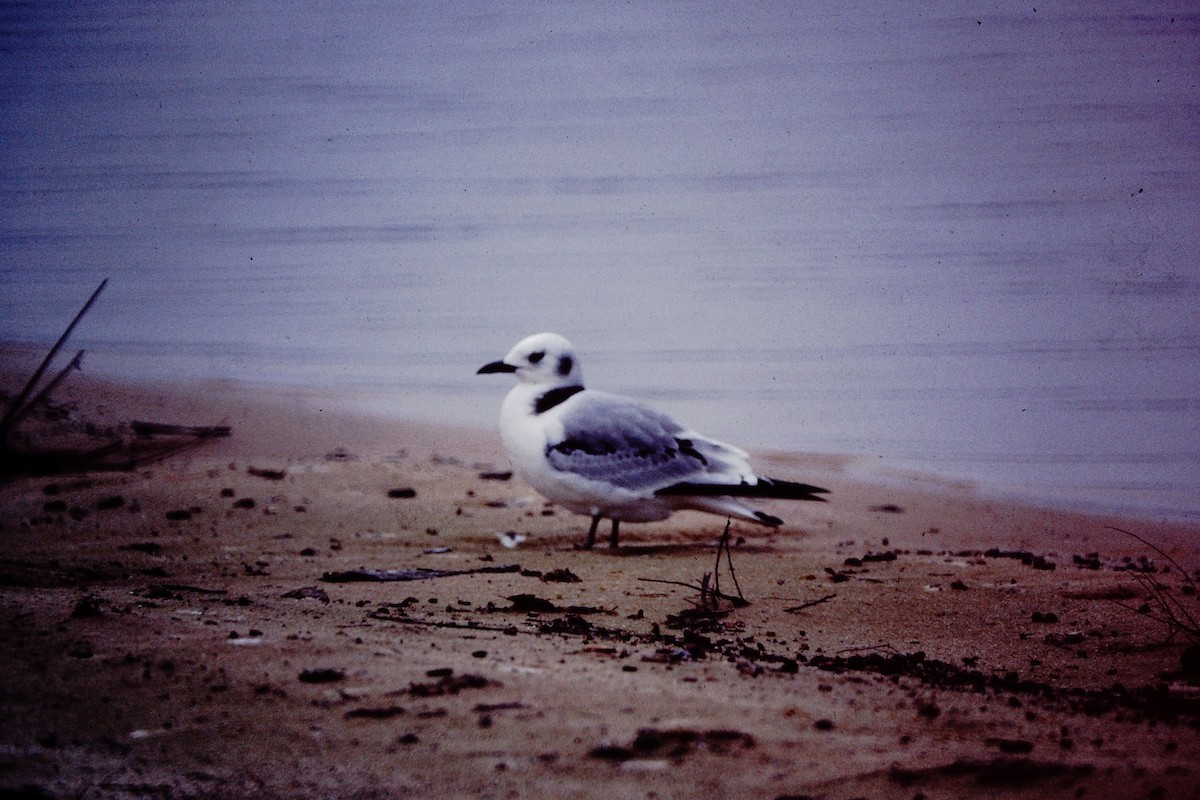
point(632, 446)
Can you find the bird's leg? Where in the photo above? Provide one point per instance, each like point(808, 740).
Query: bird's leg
point(612, 539)
point(591, 537)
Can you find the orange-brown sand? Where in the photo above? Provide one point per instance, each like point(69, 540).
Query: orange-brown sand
point(186, 629)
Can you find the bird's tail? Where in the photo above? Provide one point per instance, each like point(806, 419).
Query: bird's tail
point(765, 488)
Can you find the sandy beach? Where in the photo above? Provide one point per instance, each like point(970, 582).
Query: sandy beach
point(320, 605)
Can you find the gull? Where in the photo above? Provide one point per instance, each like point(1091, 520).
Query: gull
point(606, 456)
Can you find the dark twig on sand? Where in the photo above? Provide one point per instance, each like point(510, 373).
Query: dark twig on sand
point(20, 406)
point(810, 604)
point(75, 364)
point(427, 623)
point(880, 648)
point(709, 586)
point(1169, 609)
point(417, 574)
point(723, 545)
point(105, 458)
point(196, 431)
point(702, 587)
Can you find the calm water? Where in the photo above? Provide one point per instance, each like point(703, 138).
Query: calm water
point(942, 235)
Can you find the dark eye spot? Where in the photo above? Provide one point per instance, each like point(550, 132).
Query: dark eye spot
point(564, 366)
point(536, 357)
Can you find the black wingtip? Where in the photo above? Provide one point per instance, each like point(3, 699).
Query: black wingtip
point(791, 490)
point(765, 488)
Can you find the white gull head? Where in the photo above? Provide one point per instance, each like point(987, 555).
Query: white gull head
point(543, 359)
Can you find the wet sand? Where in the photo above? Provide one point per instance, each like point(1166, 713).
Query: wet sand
point(213, 625)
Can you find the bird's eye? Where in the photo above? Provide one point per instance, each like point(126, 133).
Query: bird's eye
point(536, 357)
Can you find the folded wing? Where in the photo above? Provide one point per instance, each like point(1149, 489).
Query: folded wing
point(627, 444)
point(630, 445)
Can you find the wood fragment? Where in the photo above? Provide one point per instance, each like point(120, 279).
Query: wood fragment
point(267, 474)
point(384, 712)
point(810, 603)
point(76, 363)
point(434, 623)
point(20, 406)
point(142, 428)
point(15, 461)
point(414, 574)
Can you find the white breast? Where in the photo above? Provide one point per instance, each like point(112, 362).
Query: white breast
point(526, 436)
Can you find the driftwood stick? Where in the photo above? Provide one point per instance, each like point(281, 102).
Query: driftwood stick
point(164, 429)
point(810, 603)
point(76, 363)
point(15, 410)
point(429, 623)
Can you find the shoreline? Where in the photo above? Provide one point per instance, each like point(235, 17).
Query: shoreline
point(329, 413)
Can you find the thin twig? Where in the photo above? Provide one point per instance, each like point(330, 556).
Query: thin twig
point(15, 410)
point(1158, 550)
point(740, 601)
point(722, 546)
point(729, 559)
point(17, 413)
point(1172, 608)
point(810, 603)
point(76, 363)
point(717, 567)
point(885, 647)
point(428, 623)
point(710, 583)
